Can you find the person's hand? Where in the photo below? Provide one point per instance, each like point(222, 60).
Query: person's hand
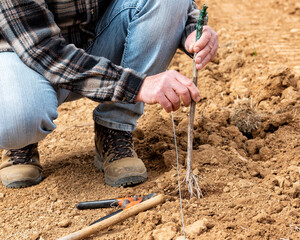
point(166, 89)
point(206, 47)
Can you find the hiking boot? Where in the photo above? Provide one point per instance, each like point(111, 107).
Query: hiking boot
point(114, 155)
point(21, 167)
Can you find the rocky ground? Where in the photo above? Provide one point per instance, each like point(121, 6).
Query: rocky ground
point(246, 146)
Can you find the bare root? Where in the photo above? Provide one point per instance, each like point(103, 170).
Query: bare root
point(193, 184)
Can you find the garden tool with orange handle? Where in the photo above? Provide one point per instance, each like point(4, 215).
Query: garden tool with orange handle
point(146, 203)
point(124, 203)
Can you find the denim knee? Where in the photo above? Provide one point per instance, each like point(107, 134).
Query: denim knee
point(24, 125)
point(28, 104)
point(176, 9)
point(166, 18)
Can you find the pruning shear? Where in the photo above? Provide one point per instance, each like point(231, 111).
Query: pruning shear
point(124, 203)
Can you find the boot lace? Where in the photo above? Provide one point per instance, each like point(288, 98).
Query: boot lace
point(119, 143)
point(23, 155)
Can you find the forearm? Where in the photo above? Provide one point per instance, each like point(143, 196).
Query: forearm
point(31, 31)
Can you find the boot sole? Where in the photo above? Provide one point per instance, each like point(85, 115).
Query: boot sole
point(22, 183)
point(126, 181)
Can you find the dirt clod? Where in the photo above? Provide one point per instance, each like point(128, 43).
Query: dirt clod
point(64, 224)
point(196, 228)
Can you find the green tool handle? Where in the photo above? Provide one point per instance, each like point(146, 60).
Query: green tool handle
point(202, 20)
point(200, 23)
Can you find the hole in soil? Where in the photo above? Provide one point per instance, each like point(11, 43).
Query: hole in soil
point(259, 176)
point(197, 143)
point(272, 128)
point(248, 135)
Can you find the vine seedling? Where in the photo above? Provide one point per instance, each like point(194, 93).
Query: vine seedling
point(191, 178)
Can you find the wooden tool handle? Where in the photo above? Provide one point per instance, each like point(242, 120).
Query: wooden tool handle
point(143, 206)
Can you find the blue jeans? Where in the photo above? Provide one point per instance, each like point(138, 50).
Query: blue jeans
point(138, 34)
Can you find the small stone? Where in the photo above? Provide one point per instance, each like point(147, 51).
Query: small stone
point(254, 173)
point(2, 196)
point(166, 232)
point(35, 236)
point(64, 224)
point(296, 203)
point(280, 181)
point(185, 109)
point(256, 157)
point(226, 189)
point(294, 213)
point(275, 208)
point(295, 191)
point(243, 183)
point(294, 30)
point(263, 218)
point(231, 205)
point(296, 186)
point(197, 228)
point(181, 238)
point(288, 184)
point(278, 190)
point(294, 168)
point(196, 172)
point(148, 236)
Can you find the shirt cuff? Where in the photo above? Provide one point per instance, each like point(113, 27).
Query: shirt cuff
point(128, 86)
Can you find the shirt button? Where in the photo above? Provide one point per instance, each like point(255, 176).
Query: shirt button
point(92, 11)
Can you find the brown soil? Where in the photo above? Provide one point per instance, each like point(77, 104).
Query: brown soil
point(246, 146)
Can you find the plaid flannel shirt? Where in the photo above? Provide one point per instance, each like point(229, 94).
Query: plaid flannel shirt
point(50, 36)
